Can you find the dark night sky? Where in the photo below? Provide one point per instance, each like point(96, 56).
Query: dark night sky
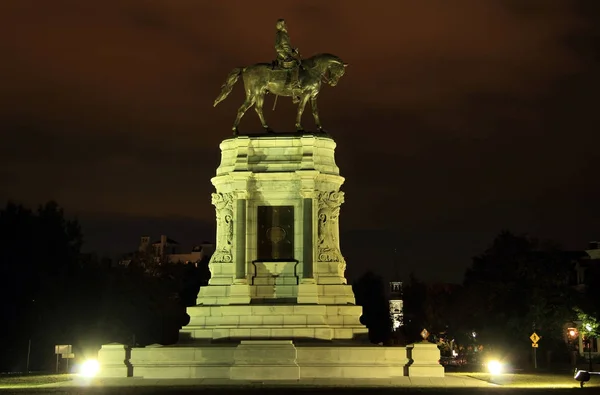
point(455, 119)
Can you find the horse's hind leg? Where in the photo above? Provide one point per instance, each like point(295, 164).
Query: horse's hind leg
point(241, 111)
point(260, 99)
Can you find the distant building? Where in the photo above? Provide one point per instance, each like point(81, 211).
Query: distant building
point(396, 305)
point(169, 251)
point(585, 263)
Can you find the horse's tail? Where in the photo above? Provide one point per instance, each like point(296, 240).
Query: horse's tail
point(228, 85)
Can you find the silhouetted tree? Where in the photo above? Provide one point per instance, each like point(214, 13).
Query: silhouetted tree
point(370, 293)
point(191, 279)
point(53, 294)
point(38, 273)
point(589, 301)
point(415, 299)
point(142, 306)
point(517, 285)
point(436, 307)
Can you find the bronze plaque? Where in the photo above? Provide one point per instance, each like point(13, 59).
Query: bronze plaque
point(275, 233)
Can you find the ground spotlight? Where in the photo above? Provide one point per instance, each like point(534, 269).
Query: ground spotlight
point(495, 367)
point(89, 368)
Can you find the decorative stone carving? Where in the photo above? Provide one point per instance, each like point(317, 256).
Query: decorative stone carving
point(328, 246)
point(275, 186)
point(223, 203)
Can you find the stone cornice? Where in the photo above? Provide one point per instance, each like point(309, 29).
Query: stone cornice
point(277, 153)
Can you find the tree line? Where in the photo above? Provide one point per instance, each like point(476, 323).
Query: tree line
point(518, 285)
point(51, 294)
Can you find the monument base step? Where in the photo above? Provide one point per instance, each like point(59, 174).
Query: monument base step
point(263, 361)
point(274, 321)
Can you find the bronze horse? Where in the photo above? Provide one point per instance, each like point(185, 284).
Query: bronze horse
point(262, 78)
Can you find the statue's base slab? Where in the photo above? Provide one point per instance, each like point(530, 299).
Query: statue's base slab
point(264, 361)
point(273, 322)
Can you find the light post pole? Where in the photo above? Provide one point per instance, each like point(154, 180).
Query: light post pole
point(579, 326)
point(534, 348)
point(590, 352)
point(588, 328)
point(28, 355)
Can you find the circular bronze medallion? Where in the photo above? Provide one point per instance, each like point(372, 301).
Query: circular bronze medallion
point(276, 234)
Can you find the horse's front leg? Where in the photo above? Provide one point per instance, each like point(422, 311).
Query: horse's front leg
point(301, 106)
point(315, 112)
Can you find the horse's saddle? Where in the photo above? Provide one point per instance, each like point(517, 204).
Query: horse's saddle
point(291, 68)
point(286, 64)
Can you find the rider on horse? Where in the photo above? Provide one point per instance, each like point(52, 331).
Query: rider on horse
point(288, 57)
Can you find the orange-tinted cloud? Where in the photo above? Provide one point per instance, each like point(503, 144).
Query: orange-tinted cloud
point(107, 106)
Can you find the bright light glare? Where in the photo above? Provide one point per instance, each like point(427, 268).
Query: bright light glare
point(588, 327)
point(89, 368)
point(572, 332)
point(495, 367)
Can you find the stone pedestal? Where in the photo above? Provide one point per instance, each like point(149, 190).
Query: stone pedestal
point(425, 360)
point(277, 302)
point(115, 360)
point(277, 271)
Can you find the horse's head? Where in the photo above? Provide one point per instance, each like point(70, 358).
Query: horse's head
point(329, 64)
point(336, 71)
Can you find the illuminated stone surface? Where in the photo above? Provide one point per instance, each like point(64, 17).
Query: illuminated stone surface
point(112, 357)
point(278, 272)
point(277, 301)
point(425, 358)
point(267, 360)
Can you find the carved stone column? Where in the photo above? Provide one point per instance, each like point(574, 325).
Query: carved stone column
point(308, 290)
point(328, 240)
point(330, 265)
point(239, 292)
point(307, 237)
point(223, 203)
point(240, 240)
point(221, 263)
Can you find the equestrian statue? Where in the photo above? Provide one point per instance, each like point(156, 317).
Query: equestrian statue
point(288, 75)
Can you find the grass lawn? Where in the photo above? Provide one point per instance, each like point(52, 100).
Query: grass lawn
point(532, 380)
point(506, 380)
point(28, 381)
